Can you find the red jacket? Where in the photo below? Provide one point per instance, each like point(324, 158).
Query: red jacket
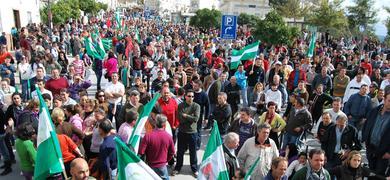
point(291, 77)
point(169, 109)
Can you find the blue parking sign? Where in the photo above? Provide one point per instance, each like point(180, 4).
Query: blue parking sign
point(229, 27)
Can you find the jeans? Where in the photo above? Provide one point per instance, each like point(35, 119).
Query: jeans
point(244, 97)
point(249, 91)
point(25, 93)
point(162, 172)
point(377, 163)
point(211, 110)
point(111, 116)
point(3, 148)
point(185, 141)
point(289, 139)
point(199, 129)
point(98, 79)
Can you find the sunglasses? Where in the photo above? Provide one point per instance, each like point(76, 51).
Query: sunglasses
point(100, 95)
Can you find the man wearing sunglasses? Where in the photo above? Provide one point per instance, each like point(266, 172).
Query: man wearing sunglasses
point(188, 114)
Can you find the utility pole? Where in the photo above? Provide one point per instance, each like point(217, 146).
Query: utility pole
point(49, 17)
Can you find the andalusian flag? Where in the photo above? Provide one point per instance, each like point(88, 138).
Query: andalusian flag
point(312, 45)
point(91, 50)
point(130, 165)
point(107, 43)
point(253, 167)
point(118, 20)
point(213, 164)
point(139, 126)
point(248, 52)
point(49, 157)
point(137, 35)
point(100, 48)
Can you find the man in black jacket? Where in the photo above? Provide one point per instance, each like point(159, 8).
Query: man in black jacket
point(222, 113)
point(202, 99)
point(255, 74)
point(339, 140)
point(232, 91)
point(375, 132)
point(230, 144)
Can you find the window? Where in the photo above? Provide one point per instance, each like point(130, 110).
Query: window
point(252, 6)
point(29, 17)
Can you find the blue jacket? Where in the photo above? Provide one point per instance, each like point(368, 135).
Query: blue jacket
point(358, 106)
point(4, 68)
point(241, 79)
point(107, 154)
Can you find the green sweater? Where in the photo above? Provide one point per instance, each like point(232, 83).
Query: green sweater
point(26, 153)
point(188, 123)
point(301, 174)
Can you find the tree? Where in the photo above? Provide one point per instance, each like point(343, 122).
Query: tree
point(206, 19)
point(246, 19)
point(387, 39)
point(292, 9)
point(63, 10)
point(329, 16)
point(362, 15)
point(273, 30)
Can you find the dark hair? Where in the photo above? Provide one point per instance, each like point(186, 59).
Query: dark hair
point(302, 154)
point(300, 101)
point(66, 90)
point(214, 75)
point(271, 103)
point(246, 110)
point(16, 94)
point(111, 55)
point(40, 80)
point(131, 116)
point(315, 151)
point(106, 126)
point(46, 96)
point(24, 131)
point(181, 91)
point(73, 109)
point(97, 93)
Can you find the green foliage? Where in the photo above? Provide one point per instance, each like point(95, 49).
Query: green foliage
point(206, 19)
point(273, 30)
point(292, 9)
point(63, 10)
point(362, 15)
point(329, 16)
point(246, 19)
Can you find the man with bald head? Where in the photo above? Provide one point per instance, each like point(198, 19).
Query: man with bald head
point(169, 109)
point(79, 170)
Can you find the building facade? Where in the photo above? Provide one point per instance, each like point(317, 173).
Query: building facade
point(18, 13)
point(201, 4)
point(258, 8)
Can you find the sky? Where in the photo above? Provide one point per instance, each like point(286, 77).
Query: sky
point(380, 28)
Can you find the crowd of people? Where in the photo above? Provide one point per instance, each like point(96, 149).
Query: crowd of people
point(264, 108)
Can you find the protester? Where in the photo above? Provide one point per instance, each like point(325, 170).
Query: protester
point(230, 144)
point(25, 149)
point(314, 169)
point(244, 126)
point(158, 148)
point(258, 146)
point(278, 169)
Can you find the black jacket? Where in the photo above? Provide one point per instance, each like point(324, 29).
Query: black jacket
point(349, 140)
point(367, 132)
point(346, 173)
point(222, 114)
point(230, 161)
point(233, 94)
point(317, 107)
point(256, 76)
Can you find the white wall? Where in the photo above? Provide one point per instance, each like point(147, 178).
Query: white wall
point(24, 7)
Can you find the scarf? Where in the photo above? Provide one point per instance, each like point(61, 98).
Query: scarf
point(311, 175)
point(269, 117)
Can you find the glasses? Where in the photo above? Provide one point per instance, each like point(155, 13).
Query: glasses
point(101, 95)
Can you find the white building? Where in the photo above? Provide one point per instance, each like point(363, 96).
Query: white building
point(258, 8)
point(18, 13)
point(201, 4)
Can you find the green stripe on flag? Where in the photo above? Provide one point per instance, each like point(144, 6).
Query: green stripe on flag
point(248, 52)
point(253, 167)
point(139, 126)
point(213, 163)
point(49, 157)
point(312, 45)
point(130, 165)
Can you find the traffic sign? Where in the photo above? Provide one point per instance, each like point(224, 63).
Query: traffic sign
point(229, 27)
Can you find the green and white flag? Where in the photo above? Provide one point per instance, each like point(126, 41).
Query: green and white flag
point(312, 44)
point(91, 50)
point(118, 20)
point(130, 166)
point(213, 164)
point(253, 167)
point(248, 52)
point(137, 35)
point(140, 124)
point(100, 48)
point(49, 157)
